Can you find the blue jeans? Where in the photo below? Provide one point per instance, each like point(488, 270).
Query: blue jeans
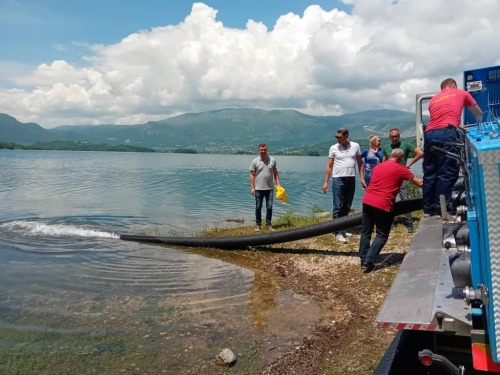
point(368, 177)
point(343, 189)
point(259, 199)
point(373, 216)
point(440, 172)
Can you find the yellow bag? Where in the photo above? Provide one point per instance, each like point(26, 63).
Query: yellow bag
point(280, 194)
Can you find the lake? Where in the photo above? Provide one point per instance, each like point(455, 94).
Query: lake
point(73, 297)
point(124, 189)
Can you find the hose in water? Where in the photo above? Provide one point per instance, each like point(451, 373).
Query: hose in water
point(238, 242)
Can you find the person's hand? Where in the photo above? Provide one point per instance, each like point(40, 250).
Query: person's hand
point(408, 165)
point(464, 128)
point(325, 187)
point(253, 191)
point(363, 183)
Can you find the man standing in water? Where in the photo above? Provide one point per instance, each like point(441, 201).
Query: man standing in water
point(262, 170)
point(342, 161)
point(406, 147)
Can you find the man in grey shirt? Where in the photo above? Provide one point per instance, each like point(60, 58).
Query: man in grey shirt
point(262, 170)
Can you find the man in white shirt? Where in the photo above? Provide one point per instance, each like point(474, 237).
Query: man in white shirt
point(342, 161)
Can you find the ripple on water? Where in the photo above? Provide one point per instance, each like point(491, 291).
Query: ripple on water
point(68, 278)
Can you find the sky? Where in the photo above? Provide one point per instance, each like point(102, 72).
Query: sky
point(129, 62)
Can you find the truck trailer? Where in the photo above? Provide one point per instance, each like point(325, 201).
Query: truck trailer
point(445, 299)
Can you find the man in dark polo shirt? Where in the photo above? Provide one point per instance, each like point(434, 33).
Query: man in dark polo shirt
point(378, 203)
point(440, 172)
point(406, 147)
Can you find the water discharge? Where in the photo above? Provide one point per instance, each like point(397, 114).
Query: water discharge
point(47, 229)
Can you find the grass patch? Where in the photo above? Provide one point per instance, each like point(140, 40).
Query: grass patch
point(282, 222)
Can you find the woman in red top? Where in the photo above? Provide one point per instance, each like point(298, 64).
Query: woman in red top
point(378, 204)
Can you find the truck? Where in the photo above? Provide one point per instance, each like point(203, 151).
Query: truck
point(445, 300)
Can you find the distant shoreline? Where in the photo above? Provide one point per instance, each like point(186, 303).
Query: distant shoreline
point(312, 150)
point(84, 146)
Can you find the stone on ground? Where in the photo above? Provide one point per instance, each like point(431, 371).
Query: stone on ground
point(225, 357)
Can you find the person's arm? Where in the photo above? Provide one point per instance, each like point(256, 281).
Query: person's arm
point(362, 172)
point(384, 153)
point(361, 167)
point(276, 176)
point(328, 173)
point(252, 180)
point(418, 182)
point(418, 155)
point(476, 112)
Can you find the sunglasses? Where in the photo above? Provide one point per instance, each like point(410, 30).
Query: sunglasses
point(339, 137)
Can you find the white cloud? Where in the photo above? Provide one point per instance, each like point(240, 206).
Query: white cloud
point(319, 63)
point(59, 47)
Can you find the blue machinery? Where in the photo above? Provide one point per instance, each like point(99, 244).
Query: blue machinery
point(445, 299)
point(483, 214)
point(484, 86)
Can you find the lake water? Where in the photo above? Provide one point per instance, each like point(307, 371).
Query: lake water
point(75, 297)
point(120, 190)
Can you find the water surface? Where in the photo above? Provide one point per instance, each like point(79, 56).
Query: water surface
point(76, 299)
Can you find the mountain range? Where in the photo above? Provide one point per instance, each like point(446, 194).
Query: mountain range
point(221, 130)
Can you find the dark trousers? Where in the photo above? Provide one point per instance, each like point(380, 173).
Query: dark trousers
point(259, 199)
point(440, 172)
point(372, 217)
point(343, 189)
point(404, 195)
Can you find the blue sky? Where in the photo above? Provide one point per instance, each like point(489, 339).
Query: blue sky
point(36, 31)
point(100, 62)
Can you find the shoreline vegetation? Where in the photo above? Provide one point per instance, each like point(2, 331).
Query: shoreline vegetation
point(312, 150)
point(74, 146)
point(85, 146)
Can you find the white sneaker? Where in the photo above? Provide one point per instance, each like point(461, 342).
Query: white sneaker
point(340, 238)
point(347, 234)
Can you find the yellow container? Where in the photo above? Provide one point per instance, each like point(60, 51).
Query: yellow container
point(280, 194)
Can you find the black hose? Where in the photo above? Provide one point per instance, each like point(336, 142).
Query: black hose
point(386, 365)
point(237, 242)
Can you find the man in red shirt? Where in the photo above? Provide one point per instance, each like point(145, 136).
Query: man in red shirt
point(440, 172)
point(378, 204)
